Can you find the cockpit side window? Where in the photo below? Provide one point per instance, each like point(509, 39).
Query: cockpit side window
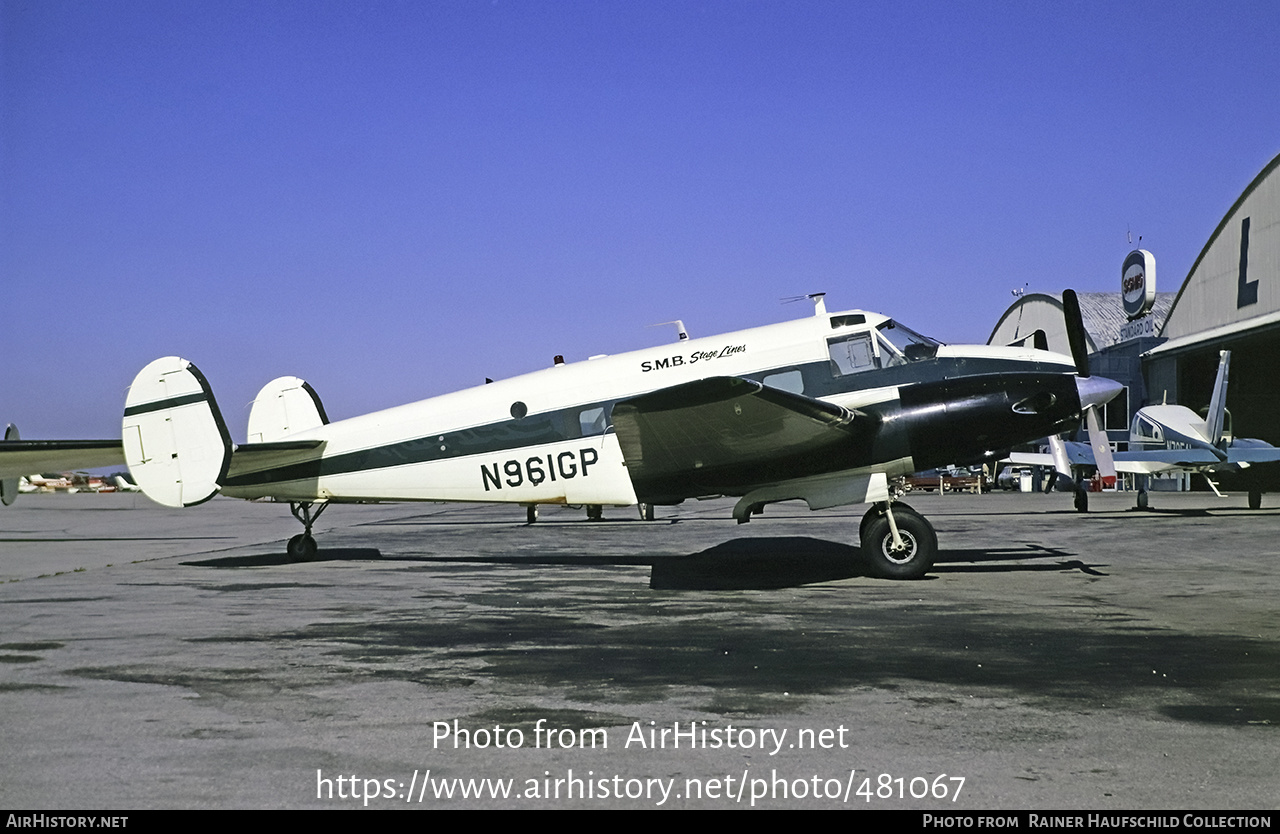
point(852, 354)
point(1146, 430)
point(592, 421)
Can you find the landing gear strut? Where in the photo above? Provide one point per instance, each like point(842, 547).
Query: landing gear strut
point(1082, 496)
point(302, 547)
point(897, 542)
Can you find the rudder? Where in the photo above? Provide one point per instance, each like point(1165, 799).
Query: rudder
point(175, 441)
point(284, 406)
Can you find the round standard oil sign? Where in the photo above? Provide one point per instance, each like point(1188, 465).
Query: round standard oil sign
point(1138, 282)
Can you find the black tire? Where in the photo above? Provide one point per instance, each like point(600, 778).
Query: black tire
point(918, 537)
point(877, 511)
point(301, 548)
point(1082, 501)
point(531, 514)
point(1143, 499)
point(646, 512)
point(1255, 499)
point(595, 512)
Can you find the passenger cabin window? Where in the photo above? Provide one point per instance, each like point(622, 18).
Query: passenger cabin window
point(852, 354)
point(790, 381)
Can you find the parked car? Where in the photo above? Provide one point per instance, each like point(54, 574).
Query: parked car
point(948, 479)
point(1011, 477)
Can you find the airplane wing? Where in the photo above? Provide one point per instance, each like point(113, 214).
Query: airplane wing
point(26, 457)
point(1249, 451)
point(1078, 454)
point(1141, 463)
point(725, 435)
point(1151, 461)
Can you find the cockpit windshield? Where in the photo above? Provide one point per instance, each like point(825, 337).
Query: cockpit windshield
point(910, 344)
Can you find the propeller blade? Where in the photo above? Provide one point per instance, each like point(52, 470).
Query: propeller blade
point(1075, 332)
point(1058, 450)
point(1101, 448)
point(9, 486)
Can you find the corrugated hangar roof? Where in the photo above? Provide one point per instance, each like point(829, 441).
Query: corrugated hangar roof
point(1104, 316)
point(1102, 312)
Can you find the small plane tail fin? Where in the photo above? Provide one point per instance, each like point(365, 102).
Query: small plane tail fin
point(1214, 420)
point(175, 441)
point(284, 406)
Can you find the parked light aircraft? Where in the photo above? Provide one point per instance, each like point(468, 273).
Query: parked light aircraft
point(824, 409)
point(1171, 438)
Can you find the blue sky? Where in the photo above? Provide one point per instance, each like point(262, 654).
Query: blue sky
point(394, 200)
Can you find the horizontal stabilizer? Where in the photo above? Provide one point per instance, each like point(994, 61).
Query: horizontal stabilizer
point(27, 457)
point(175, 441)
point(279, 446)
point(284, 455)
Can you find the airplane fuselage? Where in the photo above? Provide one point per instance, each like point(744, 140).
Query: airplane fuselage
point(547, 436)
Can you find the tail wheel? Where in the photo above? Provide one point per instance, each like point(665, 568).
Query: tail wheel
point(919, 543)
point(302, 548)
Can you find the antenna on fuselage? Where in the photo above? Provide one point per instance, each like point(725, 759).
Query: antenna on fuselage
point(818, 299)
point(684, 334)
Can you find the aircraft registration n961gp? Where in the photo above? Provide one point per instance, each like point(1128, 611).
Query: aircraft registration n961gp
point(825, 409)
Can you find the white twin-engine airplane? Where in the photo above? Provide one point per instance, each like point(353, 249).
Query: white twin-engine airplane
point(824, 409)
point(1173, 438)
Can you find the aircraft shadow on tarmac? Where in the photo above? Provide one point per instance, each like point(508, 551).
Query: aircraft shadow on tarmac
point(263, 560)
point(740, 564)
point(767, 563)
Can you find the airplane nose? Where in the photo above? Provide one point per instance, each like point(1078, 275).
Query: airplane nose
point(1096, 390)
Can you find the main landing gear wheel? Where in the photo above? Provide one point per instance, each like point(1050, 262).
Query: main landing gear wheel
point(595, 512)
point(531, 514)
point(919, 545)
point(1143, 500)
point(1082, 501)
point(646, 512)
point(876, 511)
point(1255, 499)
